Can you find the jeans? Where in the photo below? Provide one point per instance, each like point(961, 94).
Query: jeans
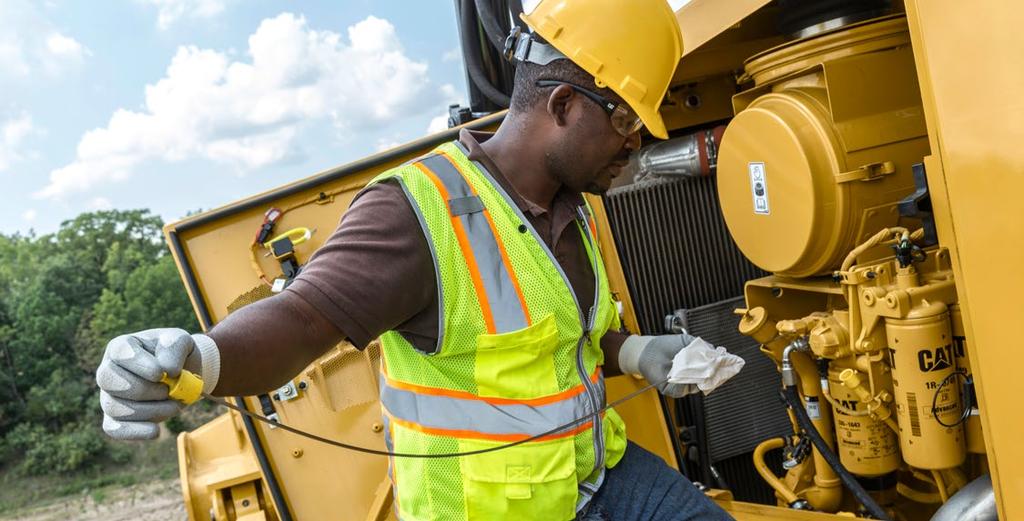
point(643, 488)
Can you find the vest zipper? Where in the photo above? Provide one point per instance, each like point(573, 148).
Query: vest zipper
point(585, 338)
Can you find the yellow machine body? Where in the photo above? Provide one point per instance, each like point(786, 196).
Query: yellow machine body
point(831, 125)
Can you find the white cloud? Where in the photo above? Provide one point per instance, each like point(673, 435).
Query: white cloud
point(100, 203)
point(438, 124)
point(451, 96)
point(452, 55)
point(12, 136)
point(29, 215)
point(387, 144)
point(31, 44)
point(66, 47)
point(249, 114)
point(170, 11)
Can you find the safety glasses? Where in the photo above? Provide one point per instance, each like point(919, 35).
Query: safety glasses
point(624, 121)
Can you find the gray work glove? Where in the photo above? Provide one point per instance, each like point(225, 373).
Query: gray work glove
point(131, 395)
point(651, 356)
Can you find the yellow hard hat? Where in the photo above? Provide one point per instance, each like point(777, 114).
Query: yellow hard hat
point(630, 46)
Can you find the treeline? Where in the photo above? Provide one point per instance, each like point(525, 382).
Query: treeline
point(62, 297)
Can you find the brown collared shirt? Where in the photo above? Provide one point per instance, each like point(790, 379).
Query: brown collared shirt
point(375, 273)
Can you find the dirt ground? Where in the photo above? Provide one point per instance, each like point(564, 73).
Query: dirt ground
point(153, 501)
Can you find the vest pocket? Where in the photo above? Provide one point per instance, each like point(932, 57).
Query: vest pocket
point(518, 364)
point(536, 480)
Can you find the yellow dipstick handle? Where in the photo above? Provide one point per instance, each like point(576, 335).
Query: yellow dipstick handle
point(297, 236)
point(186, 388)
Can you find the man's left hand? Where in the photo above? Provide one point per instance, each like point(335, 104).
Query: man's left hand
point(651, 356)
point(701, 366)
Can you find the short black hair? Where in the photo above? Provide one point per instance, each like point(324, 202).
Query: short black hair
point(526, 94)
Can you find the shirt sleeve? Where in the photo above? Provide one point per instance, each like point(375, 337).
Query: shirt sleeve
point(375, 272)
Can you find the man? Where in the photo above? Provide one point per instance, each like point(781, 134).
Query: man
point(477, 266)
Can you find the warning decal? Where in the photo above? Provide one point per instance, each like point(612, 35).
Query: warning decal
point(759, 187)
point(813, 407)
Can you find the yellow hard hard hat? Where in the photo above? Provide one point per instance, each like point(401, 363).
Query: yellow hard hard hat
point(630, 46)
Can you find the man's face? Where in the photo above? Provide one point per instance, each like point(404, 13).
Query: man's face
point(587, 152)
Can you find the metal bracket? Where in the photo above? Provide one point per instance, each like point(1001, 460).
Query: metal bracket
point(868, 172)
point(287, 392)
point(919, 205)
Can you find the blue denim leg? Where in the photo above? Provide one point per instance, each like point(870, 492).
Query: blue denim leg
point(643, 488)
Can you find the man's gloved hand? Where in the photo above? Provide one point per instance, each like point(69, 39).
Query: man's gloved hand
point(663, 361)
point(131, 395)
point(651, 356)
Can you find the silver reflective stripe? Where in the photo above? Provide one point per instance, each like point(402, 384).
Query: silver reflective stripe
point(502, 298)
point(588, 488)
point(465, 205)
point(445, 412)
point(437, 267)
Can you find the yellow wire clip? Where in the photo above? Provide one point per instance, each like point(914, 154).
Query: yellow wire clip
point(187, 388)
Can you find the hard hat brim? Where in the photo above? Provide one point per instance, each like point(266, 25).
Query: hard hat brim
point(653, 121)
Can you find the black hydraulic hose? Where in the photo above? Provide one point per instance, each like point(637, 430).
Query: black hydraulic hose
point(492, 29)
point(468, 33)
point(793, 399)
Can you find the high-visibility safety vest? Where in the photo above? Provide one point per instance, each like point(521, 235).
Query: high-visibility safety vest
point(516, 356)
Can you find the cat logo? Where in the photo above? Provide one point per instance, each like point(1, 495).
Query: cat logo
point(935, 360)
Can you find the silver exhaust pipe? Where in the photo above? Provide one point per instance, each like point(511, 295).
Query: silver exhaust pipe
point(974, 502)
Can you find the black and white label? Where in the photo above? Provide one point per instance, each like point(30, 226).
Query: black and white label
point(759, 187)
point(813, 407)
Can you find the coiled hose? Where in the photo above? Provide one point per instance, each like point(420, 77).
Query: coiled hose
point(794, 402)
point(489, 21)
point(469, 33)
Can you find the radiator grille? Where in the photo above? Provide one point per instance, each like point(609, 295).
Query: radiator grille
point(746, 410)
point(677, 253)
point(675, 248)
point(744, 481)
point(255, 294)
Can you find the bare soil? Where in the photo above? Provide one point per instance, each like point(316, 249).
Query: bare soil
point(150, 501)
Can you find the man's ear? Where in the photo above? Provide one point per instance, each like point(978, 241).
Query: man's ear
point(560, 103)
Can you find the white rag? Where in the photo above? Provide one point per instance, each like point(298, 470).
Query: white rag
point(702, 364)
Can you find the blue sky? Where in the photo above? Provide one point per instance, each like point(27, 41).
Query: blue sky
point(177, 105)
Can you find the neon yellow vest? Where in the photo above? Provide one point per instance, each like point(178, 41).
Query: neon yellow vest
point(511, 361)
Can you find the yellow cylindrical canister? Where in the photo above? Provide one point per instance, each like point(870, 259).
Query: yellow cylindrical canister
point(866, 446)
point(972, 427)
point(921, 348)
point(824, 115)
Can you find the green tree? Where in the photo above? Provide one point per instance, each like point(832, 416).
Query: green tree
point(62, 297)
